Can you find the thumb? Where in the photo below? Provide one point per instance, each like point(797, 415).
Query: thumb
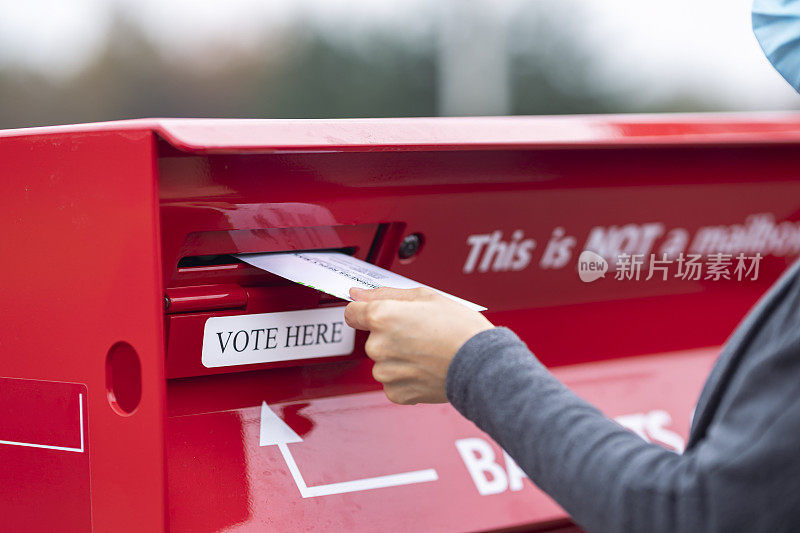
point(383, 293)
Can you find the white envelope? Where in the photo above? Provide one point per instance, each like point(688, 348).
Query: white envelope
point(335, 273)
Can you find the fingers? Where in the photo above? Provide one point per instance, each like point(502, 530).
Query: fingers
point(398, 383)
point(407, 384)
point(375, 314)
point(355, 315)
point(399, 394)
point(370, 315)
point(390, 293)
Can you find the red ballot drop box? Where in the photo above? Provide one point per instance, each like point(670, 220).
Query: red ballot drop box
point(117, 261)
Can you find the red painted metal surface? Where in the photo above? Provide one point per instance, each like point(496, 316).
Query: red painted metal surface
point(101, 222)
point(81, 273)
point(43, 434)
point(287, 135)
point(204, 297)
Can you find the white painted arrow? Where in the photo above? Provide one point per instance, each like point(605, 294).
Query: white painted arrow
point(276, 431)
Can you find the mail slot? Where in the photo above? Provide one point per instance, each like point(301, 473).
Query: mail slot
point(136, 395)
point(201, 287)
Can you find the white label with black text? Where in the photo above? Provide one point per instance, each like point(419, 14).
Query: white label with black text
point(271, 337)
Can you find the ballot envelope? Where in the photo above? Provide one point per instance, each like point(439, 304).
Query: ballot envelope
point(157, 375)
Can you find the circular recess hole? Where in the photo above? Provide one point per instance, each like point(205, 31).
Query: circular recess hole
point(123, 378)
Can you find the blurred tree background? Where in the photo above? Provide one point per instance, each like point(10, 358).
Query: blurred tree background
point(301, 71)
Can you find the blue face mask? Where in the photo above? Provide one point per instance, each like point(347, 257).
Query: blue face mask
point(776, 24)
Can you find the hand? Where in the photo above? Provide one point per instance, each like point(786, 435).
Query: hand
point(414, 334)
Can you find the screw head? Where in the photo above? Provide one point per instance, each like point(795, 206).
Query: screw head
point(410, 246)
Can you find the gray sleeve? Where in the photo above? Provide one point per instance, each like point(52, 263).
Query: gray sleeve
point(609, 479)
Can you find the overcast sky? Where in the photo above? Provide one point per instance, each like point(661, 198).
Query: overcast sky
point(667, 46)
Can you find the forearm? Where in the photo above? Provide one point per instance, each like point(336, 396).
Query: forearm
point(607, 478)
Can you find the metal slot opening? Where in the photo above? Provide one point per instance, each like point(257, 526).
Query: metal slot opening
point(200, 261)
